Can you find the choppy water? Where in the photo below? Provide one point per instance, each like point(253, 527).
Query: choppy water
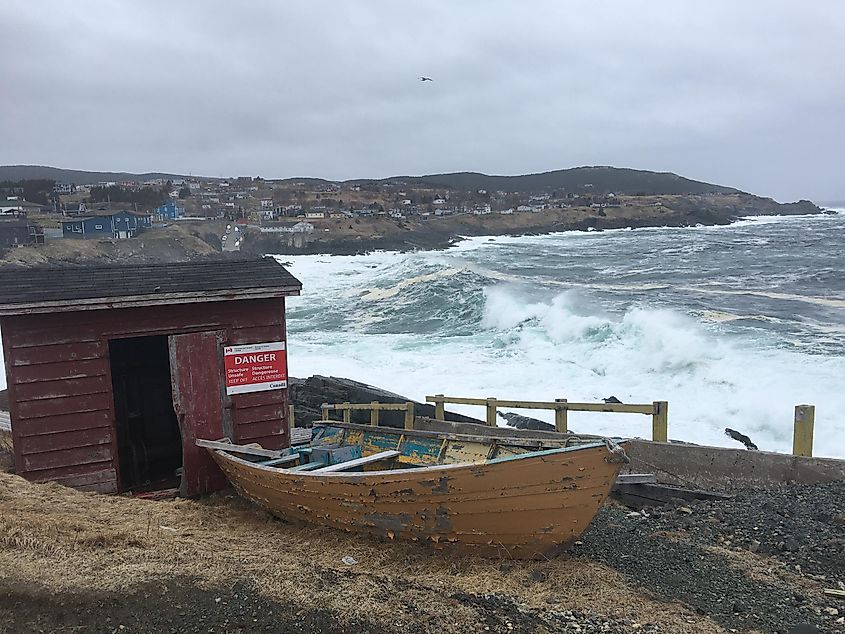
point(732, 325)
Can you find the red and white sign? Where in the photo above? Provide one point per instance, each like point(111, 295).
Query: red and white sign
point(256, 367)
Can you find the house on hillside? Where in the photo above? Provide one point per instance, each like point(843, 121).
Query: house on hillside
point(17, 207)
point(316, 213)
point(115, 225)
point(169, 211)
point(13, 233)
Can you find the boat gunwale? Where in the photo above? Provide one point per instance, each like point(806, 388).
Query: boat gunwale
point(413, 470)
point(504, 439)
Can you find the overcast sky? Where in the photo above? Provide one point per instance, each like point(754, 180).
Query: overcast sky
point(748, 94)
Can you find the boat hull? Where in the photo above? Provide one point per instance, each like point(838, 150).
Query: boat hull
point(527, 506)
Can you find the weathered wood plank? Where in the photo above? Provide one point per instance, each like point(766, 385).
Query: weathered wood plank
point(63, 370)
point(66, 458)
point(251, 432)
point(93, 479)
point(64, 440)
point(259, 413)
point(63, 388)
point(258, 399)
point(57, 353)
point(359, 462)
point(44, 408)
point(256, 334)
point(64, 422)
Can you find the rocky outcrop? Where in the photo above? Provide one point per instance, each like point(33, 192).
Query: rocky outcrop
point(307, 395)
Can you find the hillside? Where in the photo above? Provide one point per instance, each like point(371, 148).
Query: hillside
point(76, 177)
point(595, 180)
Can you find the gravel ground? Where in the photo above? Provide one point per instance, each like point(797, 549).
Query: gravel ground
point(706, 555)
point(180, 606)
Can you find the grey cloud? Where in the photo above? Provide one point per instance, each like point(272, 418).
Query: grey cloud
point(746, 94)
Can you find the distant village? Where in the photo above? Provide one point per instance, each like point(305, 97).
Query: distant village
point(33, 212)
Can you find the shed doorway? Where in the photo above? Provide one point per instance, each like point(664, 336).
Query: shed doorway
point(148, 437)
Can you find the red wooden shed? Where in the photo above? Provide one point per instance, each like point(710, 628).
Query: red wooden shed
point(114, 371)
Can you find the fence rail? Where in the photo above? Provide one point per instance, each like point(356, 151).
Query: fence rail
point(374, 407)
point(658, 410)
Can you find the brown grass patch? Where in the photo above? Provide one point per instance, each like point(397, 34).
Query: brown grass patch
point(66, 539)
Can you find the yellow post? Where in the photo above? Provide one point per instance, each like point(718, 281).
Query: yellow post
point(660, 421)
point(439, 407)
point(491, 412)
point(802, 439)
point(325, 408)
point(409, 415)
point(347, 413)
point(560, 416)
point(374, 414)
point(291, 419)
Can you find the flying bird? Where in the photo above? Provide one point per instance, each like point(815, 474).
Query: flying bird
point(426, 79)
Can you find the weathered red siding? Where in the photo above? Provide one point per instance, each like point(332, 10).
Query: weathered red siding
point(60, 389)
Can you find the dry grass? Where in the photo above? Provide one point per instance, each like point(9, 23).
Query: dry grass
point(7, 456)
point(66, 539)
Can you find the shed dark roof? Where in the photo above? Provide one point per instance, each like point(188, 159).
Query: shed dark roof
point(45, 289)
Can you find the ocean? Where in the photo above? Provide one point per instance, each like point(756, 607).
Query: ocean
point(732, 325)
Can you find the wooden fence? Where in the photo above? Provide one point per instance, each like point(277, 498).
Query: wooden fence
point(658, 410)
point(374, 407)
point(802, 440)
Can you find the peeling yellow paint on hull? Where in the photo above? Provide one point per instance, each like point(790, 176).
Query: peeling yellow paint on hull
point(524, 507)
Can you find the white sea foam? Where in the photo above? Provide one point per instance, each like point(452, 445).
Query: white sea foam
point(567, 346)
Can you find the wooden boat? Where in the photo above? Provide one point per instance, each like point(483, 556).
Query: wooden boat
point(506, 497)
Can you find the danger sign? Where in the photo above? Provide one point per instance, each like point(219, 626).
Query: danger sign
point(256, 367)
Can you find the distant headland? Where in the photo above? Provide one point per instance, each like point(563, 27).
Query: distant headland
point(49, 214)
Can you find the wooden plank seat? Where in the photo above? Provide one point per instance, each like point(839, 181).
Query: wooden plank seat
point(275, 462)
point(359, 462)
point(308, 466)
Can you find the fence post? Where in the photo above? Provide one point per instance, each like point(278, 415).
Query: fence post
point(560, 416)
point(374, 414)
point(439, 407)
point(802, 439)
point(409, 415)
point(660, 421)
point(491, 412)
point(347, 413)
point(325, 408)
point(291, 419)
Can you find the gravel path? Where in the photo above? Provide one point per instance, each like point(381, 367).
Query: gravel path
point(687, 553)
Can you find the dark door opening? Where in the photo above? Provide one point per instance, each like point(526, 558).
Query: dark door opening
point(149, 441)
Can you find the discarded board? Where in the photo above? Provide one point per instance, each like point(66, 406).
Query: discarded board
point(641, 495)
point(241, 449)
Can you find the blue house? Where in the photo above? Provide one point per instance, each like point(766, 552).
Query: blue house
point(169, 211)
point(116, 225)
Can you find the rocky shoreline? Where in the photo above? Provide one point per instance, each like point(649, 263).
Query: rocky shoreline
point(340, 237)
point(192, 241)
